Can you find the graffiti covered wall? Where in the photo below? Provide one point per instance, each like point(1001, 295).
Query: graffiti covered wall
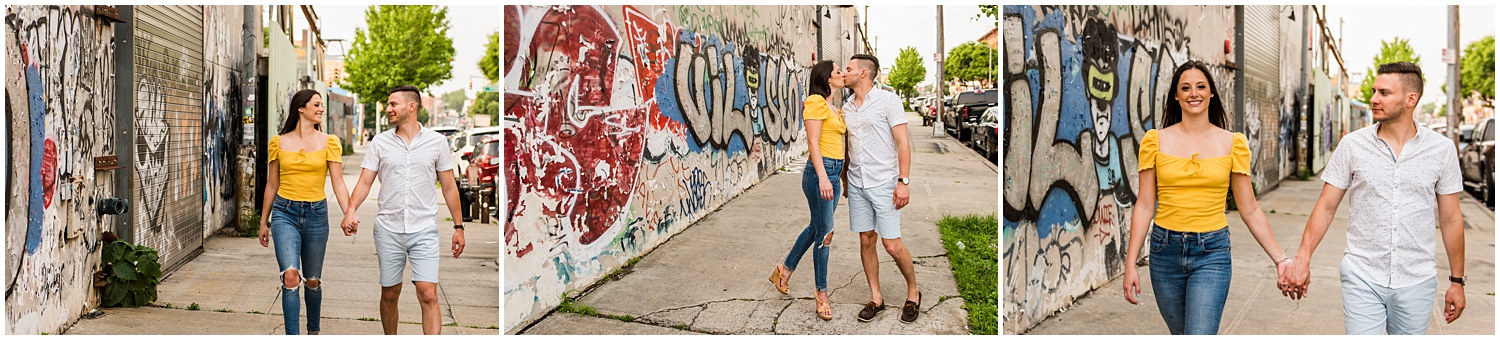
point(225, 69)
point(1083, 85)
point(59, 85)
point(625, 124)
point(168, 204)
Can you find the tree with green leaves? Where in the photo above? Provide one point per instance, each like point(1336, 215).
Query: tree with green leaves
point(1390, 52)
point(907, 72)
point(972, 61)
point(454, 99)
point(490, 64)
point(1477, 70)
point(405, 45)
point(488, 103)
point(989, 11)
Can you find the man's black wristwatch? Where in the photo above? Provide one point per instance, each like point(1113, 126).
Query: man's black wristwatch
point(1461, 281)
point(458, 227)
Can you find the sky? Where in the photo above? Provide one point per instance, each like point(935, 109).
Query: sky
point(470, 26)
point(900, 26)
point(1426, 26)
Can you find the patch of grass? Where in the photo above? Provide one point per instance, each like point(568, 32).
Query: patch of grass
point(451, 324)
point(625, 318)
point(1273, 211)
point(367, 319)
point(681, 327)
point(621, 271)
point(256, 312)
point(167, 305)
point(570, 306)
point(410, 322)
point(249, 224)
point(194, 306)
point(224, 310)
point(971, 244)
point(492, 327)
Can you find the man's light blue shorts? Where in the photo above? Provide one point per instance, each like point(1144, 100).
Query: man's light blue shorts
point(396, 249)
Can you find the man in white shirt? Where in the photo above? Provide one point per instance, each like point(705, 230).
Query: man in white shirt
point(879, 163)
point(408, 161)
point(1396, 173)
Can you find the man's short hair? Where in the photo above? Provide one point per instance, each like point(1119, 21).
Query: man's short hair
point(874, 66)
point(1410, 73)
point(413, 94)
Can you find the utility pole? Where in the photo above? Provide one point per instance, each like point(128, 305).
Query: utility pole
point(1453, 74)
point(937, 121)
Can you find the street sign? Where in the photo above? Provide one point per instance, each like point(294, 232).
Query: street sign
point(1448, 56)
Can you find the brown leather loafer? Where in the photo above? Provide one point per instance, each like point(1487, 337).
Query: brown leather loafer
point(870, 310)
point(910, 310)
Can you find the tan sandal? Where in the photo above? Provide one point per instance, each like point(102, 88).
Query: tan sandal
point(825, 309)
point(779, 281)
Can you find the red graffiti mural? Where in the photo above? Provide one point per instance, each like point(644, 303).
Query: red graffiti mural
point(49, 171)
point(650, 49)
point(580, 149)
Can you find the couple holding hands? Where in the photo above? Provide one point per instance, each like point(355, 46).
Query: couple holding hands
point(408, 160)
point(1395, 173)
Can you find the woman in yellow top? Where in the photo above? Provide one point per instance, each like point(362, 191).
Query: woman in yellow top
point(1186, 170)
point(296, 208)
point(820, 182)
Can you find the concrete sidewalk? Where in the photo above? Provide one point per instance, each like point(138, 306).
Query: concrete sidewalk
point(1256, 306)
point(237, 274)
point(711, 278)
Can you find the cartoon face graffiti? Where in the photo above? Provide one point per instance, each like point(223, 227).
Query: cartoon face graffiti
point(750, 58)
point(1100, 55)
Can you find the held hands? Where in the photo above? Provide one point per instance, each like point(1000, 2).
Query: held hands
point(1132, 285)
point(350, 225)
point(1293, 278)
point(1453, 302)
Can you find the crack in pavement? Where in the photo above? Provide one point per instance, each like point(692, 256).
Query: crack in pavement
point(777, 320)
point(846, 285)
point(941, 300)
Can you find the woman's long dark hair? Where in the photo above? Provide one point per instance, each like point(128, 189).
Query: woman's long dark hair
point(299, 100)
point(1173, 112)
point(817, 82)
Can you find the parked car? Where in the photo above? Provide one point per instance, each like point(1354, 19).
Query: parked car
point(1477, 159)
point(482, 169)
point(967, 107)
point(923, 106)
point(464, 144)
point(986, 133)
point(1463, 132)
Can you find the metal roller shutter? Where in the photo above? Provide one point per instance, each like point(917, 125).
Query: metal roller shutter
point(167, 195)
point(1263, 92)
